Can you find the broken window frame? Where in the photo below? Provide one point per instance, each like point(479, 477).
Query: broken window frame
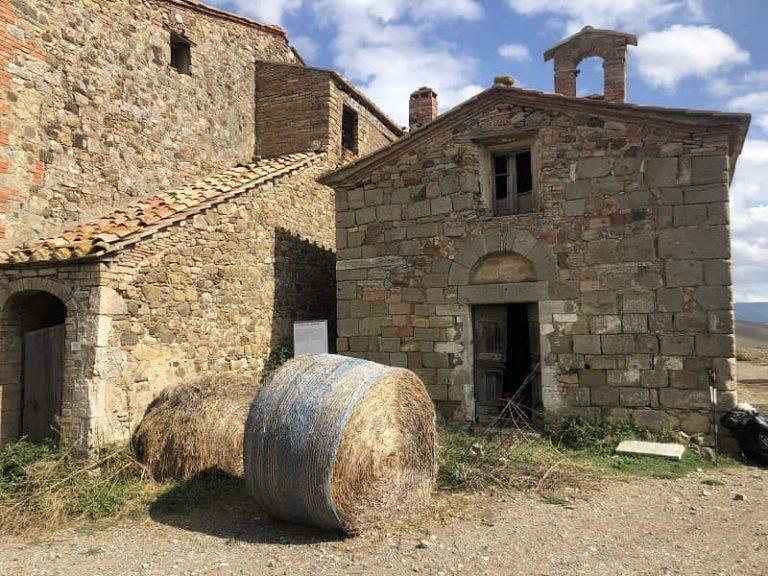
point(181, 53)
point(350, 135)
point(512, 200)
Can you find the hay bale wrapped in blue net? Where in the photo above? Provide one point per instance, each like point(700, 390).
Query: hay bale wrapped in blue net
point(340, 443)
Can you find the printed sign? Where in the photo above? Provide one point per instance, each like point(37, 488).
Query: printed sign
point(310, 337)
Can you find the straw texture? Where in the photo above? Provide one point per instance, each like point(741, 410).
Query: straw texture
point(340, 443)
point(197, 427)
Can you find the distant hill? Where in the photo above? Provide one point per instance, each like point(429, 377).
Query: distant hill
point(751, 335)
point(756, 312)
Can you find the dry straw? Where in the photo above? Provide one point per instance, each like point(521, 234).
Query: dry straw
point(340, 443)
point(197, 427)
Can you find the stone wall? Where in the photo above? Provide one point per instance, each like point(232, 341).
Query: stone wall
point(93, 114)
point(300, 108)
point(218, 292)
point(213, 293)
point(629, 241)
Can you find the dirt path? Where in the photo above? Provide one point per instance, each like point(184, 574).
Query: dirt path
point(642, 527)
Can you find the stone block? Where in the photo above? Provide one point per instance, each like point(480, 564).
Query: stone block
point(709, 170)
point(560, 344)
point(662, 450)
point(714, 297)
point(634, 397)
point(592, 378)
point(655, 420)
point(676, 345)
point(638, 301)
point(695, 215)
point(578, 190)
point(618, 344)
point(684, 399)
point(620, 378)
point(599, 302)
point(656, 378)
point(605, 324)
point(690, 322)
point(441, 205)
point(660, 322)
point(575, 208)
point(634, 323)
point(604, 396)
point(588, 168)
point(717, 273)
point(696, 423)
point(637, 248)
point(577, 397)
point(684, 273)
point(706, 194)
point(715, 345)
point(694, 243)
point(660, 172)
point(669, 299)
point(586, 344)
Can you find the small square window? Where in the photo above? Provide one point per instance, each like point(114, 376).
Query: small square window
point(181, 54)
point(512, 183)
point(349, 138)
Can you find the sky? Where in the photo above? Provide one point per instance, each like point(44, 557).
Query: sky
point(706, 54)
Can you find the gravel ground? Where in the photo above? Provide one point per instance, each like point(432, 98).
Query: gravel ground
point(639, 527)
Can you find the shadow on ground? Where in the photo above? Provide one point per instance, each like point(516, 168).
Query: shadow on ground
point(217, 504)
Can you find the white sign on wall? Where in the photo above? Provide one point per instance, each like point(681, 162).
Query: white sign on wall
point(310, 337)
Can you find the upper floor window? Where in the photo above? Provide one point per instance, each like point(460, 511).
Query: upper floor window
point(349, 138)
point(181, 54)
point(512, 183)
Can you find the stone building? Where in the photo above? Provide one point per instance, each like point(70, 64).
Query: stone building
point(159, 203)
point(570, 253)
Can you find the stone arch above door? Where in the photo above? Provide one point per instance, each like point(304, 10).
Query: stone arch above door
point(502, 268)
point(62, 292)
point(520, 247)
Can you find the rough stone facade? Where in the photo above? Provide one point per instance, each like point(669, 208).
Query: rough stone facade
point(160, 286)
point(94, 115)
point(295, 104)
point(214, 292)
point(626, 254)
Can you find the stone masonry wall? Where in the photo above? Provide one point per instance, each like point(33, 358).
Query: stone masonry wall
point(630, 244)
point(300, 109)
point(92, 114)
point(218, 292)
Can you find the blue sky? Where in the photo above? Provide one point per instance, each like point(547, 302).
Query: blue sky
point(709, 54)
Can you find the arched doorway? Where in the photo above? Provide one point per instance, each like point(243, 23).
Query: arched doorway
point(32, 337)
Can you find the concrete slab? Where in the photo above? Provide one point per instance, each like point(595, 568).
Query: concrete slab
point(638, 448)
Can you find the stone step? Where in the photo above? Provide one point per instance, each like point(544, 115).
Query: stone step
point(662, 450)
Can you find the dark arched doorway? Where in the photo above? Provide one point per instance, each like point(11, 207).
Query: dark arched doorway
point(32, 336)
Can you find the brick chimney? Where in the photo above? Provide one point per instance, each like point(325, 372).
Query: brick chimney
point(609, 45)
point(422, 108)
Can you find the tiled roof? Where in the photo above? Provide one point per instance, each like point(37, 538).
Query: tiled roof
point(145, 217)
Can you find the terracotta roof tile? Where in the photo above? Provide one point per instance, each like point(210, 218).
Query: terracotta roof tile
point(140, 219)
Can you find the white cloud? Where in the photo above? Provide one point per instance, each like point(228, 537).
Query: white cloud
point(630, 15)
point(749, 214)
point(666, 57)
point(447, 9)
point(515, 51)
point(306, 46)
point(390, 49)
point(268, 11)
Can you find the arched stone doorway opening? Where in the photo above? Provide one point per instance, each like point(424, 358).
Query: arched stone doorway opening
point(32, 337)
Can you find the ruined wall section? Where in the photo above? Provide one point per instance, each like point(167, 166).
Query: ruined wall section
point(631, 246)
point(94, 115)
point(217, 292)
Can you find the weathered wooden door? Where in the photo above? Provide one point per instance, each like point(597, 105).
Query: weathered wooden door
point(43, 378)
point(490, 344)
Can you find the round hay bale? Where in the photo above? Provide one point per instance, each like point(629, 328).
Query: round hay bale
point(340, 443)
point(196, 427)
